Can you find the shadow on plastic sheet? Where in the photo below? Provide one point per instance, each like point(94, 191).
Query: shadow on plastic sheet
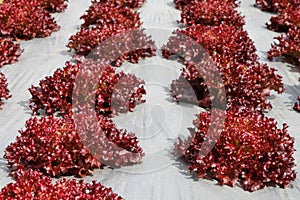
point(180, 163)
point(68, 53)
point(170, 99)
point(183, 104)
point(3, 166)
point(293, 68)
point(294, 92)
point(182, 166)
point(280, 60)
point(25, 105)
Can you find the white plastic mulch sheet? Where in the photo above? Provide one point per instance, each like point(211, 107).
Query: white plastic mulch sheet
point(159, 121)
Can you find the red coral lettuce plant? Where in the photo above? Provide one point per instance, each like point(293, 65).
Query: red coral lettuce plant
point(237, 48)
point(108, 144)
point(115, 92)
point(212, 13)
point(180, 4)
point(74, 189)
point(58, 146)
point(120, 44)
point(283, 21)
point(29, 184)
point(4, 92)
point(51, 146)
point(288, 46)
point(246, 81)
point(276, 5)
point(250, 150)
point(244, 86)
point(25, 20)
point(99, 13)
point(86, 40)
point(50, 5)
point(34, 185)
point(123, 3)
point(9, 52)
point(54, 92)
